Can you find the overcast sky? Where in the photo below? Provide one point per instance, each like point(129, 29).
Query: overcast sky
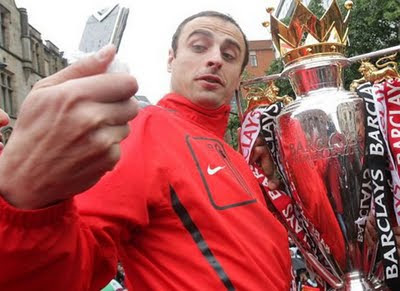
point(147, 36)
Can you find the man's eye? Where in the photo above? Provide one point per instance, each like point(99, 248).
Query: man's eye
point(198, 48)
point(228, 56)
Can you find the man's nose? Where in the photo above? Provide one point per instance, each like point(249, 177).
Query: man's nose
point(215, 59)
point(3, 118)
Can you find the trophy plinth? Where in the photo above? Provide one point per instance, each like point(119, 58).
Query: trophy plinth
point(356, 281)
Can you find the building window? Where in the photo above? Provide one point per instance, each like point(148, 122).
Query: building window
point(7, 100)
point(55, 65)
point(37, 58)
point(4, 29)
point(253, 59)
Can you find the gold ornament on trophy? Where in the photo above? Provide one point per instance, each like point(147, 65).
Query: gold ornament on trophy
point(264, 95)
point(307, 35)
point(378, 72)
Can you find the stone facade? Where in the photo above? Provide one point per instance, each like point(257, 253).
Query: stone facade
point(24, 59)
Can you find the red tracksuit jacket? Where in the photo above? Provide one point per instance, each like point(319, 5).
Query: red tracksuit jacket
point(181, 210)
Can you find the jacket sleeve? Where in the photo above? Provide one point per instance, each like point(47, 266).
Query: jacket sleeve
point(52, 248)
point(74, 245)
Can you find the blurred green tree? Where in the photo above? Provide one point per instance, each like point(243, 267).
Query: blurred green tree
point(374, 25)
point(231, 133)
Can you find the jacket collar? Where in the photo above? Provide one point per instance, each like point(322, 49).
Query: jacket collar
point(214, 120)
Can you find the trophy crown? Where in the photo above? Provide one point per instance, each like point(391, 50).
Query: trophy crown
point(307, 35)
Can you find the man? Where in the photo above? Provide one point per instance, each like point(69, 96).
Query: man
point(181, 209)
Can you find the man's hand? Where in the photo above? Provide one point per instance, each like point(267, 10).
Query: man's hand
point(261, 156)
point(371, 233)
point(68, 132)
point(371, 236)
point(396, 231)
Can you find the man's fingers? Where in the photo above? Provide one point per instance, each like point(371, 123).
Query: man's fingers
point(273, 183)
point(371, 229)
point(368, 239)
point(116, 113)
point(396, 231)
point(267, 164)
point(102, 88)
point(107, 136)
point(259, 141)
point(262, 156)
point(257, 154)
point(371, 219)
point(88, 66)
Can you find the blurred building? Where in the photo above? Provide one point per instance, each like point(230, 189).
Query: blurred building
point(24, 59)
point(261, 54)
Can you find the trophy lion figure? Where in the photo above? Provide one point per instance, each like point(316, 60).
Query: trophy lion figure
point(258, 96)
point(376, 73)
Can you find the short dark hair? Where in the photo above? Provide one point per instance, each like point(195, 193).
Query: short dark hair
point(222, 16)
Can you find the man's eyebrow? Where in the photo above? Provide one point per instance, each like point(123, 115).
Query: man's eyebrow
point(200, 31)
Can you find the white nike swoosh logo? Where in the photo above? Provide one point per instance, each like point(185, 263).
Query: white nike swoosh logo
point(213, 171)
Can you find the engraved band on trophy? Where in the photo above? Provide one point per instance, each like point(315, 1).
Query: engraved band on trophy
point(321, 141)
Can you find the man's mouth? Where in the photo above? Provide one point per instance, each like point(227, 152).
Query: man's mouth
point(211, 79)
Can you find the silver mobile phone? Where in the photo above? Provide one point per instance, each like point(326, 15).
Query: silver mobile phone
point(104, 27)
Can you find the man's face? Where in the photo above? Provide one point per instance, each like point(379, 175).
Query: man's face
point(207, 65)
point(3, 122)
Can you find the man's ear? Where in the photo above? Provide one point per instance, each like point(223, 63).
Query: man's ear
point(171, 57)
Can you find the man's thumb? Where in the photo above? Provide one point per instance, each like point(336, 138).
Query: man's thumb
point(87, 66)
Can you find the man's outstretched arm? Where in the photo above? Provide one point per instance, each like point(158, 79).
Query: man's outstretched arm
point(66, 137)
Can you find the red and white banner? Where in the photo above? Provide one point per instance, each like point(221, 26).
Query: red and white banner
point(282, 202)
point(387, 98)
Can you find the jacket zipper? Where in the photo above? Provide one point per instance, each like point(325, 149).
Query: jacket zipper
point(236, 174)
